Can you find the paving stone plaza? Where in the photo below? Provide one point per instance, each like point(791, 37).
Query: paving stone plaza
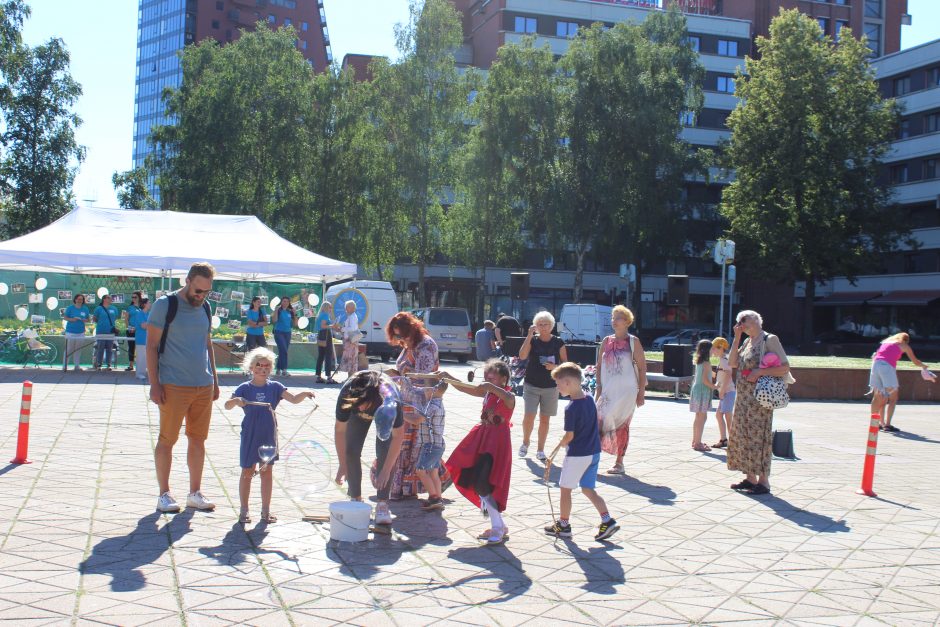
point(81, 542)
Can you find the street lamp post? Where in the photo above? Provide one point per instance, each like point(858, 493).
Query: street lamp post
point(723, 255)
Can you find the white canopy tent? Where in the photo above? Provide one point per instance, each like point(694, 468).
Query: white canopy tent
point(164, 244)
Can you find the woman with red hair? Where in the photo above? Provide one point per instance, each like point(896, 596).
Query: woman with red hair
point(418, 355)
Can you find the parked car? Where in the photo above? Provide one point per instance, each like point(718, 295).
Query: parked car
point(450, 328)
point(376, 303)
point(683, 336)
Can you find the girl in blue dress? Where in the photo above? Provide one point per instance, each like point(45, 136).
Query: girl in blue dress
point(700, 396)
point(259, 398)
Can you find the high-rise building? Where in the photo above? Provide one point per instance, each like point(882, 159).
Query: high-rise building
point(165, 27)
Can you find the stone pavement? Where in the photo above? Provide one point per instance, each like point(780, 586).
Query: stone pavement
point(80, 542)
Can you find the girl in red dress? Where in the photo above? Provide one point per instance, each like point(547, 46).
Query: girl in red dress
point(481, 464)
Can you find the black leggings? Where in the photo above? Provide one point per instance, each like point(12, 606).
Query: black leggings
point(357, 428)
point(477, 477)
point(131, 348)
point(254, 341)
point(326, 353)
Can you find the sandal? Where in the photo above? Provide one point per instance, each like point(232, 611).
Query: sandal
point(321, 380)
point(244, 518)
point(486, 534)
point(722, 443)
point(744, 485)
point(617, 469)
point(760, 488)
point(268, 517)
point(497, 538)
point(702, 448)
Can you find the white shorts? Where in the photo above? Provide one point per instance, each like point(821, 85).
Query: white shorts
point(579, 471)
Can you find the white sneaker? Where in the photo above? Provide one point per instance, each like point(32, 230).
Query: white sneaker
point(197, 501)
point(166, 503)
point(523, 450)
point(382, 515)
point(540, 456)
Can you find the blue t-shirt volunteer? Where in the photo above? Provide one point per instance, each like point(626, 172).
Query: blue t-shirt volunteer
point(140, 336)
point(581, 419)
point(285, 318)
point(105, 319)
point(185, 358)
point(76, 312)
point(322, 317)
point(132, 311)
point(252, 315)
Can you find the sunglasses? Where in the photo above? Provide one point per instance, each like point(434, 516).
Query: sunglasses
point(201, 292)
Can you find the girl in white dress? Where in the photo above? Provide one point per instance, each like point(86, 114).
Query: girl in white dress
point(621, 385)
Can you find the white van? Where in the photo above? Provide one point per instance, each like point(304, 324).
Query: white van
point(584, 323)
point(450, 328)
point(376, 303)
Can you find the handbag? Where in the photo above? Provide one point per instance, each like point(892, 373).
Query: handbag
point(771, 392)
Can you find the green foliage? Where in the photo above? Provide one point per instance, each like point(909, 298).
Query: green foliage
point(806, 144)
point(40, 151)
point(132, 191)
point(421, 116)
point(239, 144)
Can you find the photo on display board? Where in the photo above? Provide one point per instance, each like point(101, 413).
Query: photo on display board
point(234, 324)
point(297, 306)
point(245, 309)
point(237, 295)
point(37, 319)
point(215, 297)
point(221, 312)
point(308, 313)
point(90, 299)
point(18, 288)
point(62, 312)
point(35, 298)
point(65, 294)
point(264, 300)
point(117, 299)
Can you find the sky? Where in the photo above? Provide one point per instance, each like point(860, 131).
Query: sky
point(101, 37)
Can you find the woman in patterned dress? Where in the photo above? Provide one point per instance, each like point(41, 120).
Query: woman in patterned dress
point(621, 385)
point(750, 447)
point(419, 354)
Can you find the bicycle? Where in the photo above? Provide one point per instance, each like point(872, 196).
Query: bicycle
point(24, 346)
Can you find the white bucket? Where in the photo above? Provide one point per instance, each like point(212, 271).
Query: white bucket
point(349, 521)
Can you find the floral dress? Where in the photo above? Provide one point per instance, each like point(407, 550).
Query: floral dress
point(750, 446)
point(619, 388)
point(404, 481)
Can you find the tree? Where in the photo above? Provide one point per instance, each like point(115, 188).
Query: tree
point(806, 143)
point(132, 191)
point(422, 118)
point(12, 15)
point(240, 138)
point(41, 156)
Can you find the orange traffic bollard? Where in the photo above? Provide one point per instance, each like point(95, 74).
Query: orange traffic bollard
point(868, 473)
point(22, 439)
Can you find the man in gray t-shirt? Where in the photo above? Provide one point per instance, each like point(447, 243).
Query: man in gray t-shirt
point(485, 340)
point(183, 382)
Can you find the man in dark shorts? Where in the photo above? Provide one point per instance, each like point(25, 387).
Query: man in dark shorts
point(183, 382)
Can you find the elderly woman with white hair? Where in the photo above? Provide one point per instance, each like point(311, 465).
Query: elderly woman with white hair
point(539, 392)
point(351, 337)
point(750, 447)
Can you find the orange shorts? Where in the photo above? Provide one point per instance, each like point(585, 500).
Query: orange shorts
point(193, 403)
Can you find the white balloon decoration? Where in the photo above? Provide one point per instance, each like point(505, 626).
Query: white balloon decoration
point(4, 289)
point(216, 322)
point(313, 299)
point(275, 302)
point(52, 302)
point(22, 313)
point(41, 283)
point(102, 292)
point(303, 322)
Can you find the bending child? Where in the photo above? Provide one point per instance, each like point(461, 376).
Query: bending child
point(582, 437)
point(259, 398)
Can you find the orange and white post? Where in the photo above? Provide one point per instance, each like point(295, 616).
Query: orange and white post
point(868, 473)
point(22, 439)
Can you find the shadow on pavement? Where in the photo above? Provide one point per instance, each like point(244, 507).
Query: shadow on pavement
point(501, 564)
point(602, 571)
point(657, 494)
point(412, 529)
point(913, 437)
point(240, 542)
point(819, 523)
point(8, 468)
point(122, 557)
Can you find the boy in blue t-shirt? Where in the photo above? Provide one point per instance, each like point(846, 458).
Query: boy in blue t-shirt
point(583, 440)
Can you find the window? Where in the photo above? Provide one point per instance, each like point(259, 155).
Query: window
point(840, 24)
point(271, 19)
point(902, 85)
point(304, 26)
point(525, 24)
point(695, 42)
point(823, 24)
point(931, 168)
point(899, 174)
point(934, 77)
point(904, 129)
point(727, 48)
point(843, 2)
point(303, 44)
point(215, 24)
point(932, 122)
point(286, 21)
point(873, 33)
point(687, 118)
point(566, 29)
point(726, 84)
point(872, 8)
point(219, 6)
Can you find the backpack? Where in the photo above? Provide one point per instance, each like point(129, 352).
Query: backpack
point(173, 303)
